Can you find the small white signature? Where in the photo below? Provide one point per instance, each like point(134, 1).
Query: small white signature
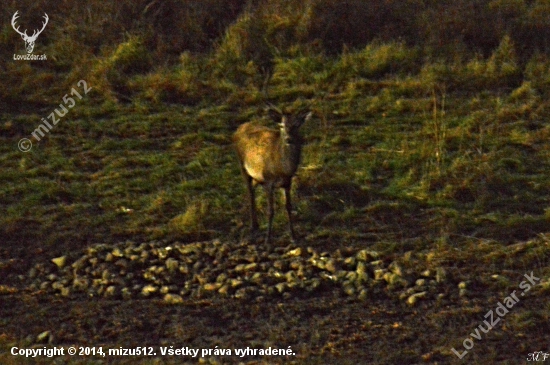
point(538, 356)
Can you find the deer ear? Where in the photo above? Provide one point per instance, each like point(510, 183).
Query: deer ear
point(274, 115)
point(304, 117)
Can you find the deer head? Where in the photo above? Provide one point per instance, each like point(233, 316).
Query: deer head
point(29, 41)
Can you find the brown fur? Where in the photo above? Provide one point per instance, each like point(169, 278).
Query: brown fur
point(270, 158)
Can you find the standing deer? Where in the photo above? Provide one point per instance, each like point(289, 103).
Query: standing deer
point(29, 40)
point(270, 158)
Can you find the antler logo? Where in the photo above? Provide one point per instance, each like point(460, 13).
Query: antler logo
point(29, 41)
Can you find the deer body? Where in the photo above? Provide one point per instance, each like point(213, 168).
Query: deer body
point(270, 158)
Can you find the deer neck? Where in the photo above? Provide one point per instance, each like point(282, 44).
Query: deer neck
point(289, 150)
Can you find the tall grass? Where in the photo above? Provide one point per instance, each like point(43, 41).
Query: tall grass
point(397, 129)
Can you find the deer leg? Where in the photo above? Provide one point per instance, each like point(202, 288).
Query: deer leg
point(271, 210)
point(252, 198)
point(288, 205)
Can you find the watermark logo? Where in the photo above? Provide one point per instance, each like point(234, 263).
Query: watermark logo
point(29, 40)
point(538, 356)
point(501, 310)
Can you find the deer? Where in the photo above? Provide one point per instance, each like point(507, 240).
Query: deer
point(29, 41)
point(270, 158)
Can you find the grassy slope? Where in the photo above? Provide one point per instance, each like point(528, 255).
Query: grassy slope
point(396, 161)
point(461, 163)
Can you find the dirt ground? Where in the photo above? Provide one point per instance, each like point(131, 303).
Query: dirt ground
point(319, 328)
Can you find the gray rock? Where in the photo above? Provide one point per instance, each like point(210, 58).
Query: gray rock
point(379, 274)
point(212, 286)
point(256, 278)
point(126, 293)
point(117, 252)
point(331, 266)
point(122, 263)
point(426, 273)
point(363, 294)
point(235, 283)
point(110, 291)
point(349, 288)
point(280, 265)
point(173, 299)
point(295, 252)
point(366, 255)
point(362, 278)
point(291, 276)
point(313, 284)
point(106, 275)
point(45, 336)
point(296, 264)
point(350, 262)
point(60, 261)
point(250, 267)
point(183, 268)
point(172, 265)
point(281, 287)
point(222, 278)
point(377, 264)
point(52, 277)
point(80, 263)
point(351, 276)
point(148, 290)
point(415, 297)
point(395, 268)
point(361, 268)
point(241, 293)
point(395, 280)
point(80, 283)
point(224, 290)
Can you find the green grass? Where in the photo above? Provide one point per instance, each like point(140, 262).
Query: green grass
point(129, 170)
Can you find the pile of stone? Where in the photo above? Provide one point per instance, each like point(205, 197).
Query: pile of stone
point(175, 271)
